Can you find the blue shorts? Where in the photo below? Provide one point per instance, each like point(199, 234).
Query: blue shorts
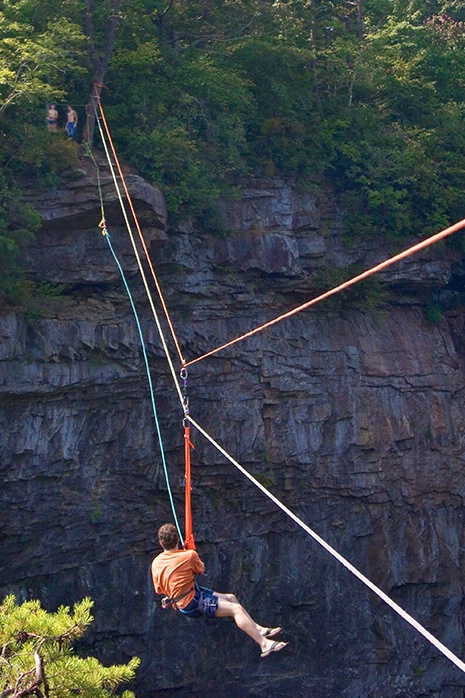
point(204, 603)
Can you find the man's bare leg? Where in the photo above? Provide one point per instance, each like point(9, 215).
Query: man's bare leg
point(229, 606)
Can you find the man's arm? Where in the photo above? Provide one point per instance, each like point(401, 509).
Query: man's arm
point(156, 580)
point(197, 564)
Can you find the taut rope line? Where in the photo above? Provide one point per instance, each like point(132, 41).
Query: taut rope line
point(149, 377)
point(429, 241)
point(144, 246)
point(139, 263)
point(402, 255)
point(107, 237)
point(381, 594)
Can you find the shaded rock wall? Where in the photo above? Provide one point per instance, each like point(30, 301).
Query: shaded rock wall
point(351, 413)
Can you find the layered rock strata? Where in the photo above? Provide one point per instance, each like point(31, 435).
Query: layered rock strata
point(350, 412)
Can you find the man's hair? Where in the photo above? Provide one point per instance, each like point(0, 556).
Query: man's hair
point(168, 536)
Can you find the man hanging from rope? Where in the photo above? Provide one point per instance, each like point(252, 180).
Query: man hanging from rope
point(173, 574)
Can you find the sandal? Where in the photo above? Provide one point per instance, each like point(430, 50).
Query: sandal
point(271, 632)
point(275, 647)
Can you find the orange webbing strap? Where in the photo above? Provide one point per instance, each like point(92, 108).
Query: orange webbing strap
point(402, 255)
point(139, 231)
point(189, 543)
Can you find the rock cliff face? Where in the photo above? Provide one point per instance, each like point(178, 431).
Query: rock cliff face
point(352, 413)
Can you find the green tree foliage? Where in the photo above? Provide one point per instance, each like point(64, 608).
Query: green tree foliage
point(36, 54)
point(368, 93)
point(18, 222)
point(181, 122)
point(285, 132)
point(40, 49)
point(401, 146)
point(37, 658)
point(210, 97)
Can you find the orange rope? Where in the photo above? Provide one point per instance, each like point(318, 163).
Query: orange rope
point(162, 300)
point(189, 543)
point(402, 255)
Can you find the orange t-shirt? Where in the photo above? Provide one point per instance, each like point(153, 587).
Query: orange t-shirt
point(173, 574)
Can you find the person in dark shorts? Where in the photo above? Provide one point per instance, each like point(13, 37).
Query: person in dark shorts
point(52, 119)
point(173, 574)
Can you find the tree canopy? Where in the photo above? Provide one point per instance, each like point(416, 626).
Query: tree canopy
point(37, 657)
point(370, 95)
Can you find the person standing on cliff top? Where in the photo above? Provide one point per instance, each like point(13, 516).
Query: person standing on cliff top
point(52, 119)
point(173, 574)
point(71, 122)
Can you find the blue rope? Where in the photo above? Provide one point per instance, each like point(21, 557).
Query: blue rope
point(152, 396)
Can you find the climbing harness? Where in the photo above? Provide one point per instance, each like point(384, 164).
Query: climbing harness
point(168, 602)
point(189, 420)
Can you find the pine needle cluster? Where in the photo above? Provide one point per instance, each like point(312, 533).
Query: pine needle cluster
point(37, 657)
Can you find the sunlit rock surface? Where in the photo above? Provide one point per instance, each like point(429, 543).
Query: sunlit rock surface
point(351, 413)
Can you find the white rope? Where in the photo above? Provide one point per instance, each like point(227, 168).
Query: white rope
point(400, 611)
point(139, 264)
